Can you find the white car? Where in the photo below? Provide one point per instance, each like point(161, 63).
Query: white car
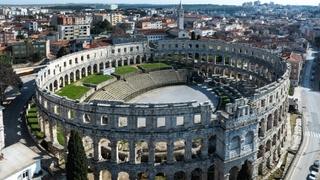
point(311, 177)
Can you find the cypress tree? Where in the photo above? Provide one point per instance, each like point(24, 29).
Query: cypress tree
point(77, 165)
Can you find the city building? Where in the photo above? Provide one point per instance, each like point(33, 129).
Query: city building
point(116, 18)
point(6, 37)
point(149, 24)
point(296, 61)
point(31, 26)
point(18, 162)
point(180, 21)
point(23, 51)
point(154, 35)
point(69, 32)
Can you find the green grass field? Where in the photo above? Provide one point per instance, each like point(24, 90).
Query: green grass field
point(72, 91)
point(96, 78)
point(125, 70)
point(153, 66)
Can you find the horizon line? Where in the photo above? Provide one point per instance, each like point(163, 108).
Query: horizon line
point(147, 4)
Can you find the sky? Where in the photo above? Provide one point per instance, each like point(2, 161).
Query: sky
point(226, 2)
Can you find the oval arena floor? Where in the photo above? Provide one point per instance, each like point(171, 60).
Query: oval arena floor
point(177, 94)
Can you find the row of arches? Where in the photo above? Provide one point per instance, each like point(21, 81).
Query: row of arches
point(193, 174)
point(236, 146)
point(144, 151)
point(272, 120)
point(91, 69)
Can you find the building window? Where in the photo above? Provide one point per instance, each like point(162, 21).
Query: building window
point(86, 118)
point(161, 122)
point(122, 122)
point(197, 118)
point(71, 114)
point(141, 122)
point(179, 120)
point(104, 120)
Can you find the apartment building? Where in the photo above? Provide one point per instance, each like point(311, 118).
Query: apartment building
point(69, 32)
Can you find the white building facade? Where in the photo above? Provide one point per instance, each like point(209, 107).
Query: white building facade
point(69, 32)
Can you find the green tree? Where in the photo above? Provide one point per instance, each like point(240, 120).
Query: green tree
point(101, 26)
point(77, 165)
point(7, 78)
point(63, 51)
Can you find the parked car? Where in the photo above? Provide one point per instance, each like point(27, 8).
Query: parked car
point(316, 166)
point(311, 177)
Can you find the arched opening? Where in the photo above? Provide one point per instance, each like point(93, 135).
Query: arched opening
point(196, 174)
point(123, 151)
point(83, 72)
point(105, 149)
point(160, 152)
point(160, 176)
point(260, 169)
point(61, 82)
point(274, 140)
point(86, 118)
point(275, 118)
point(131, 60)
point(197, 56)
point(262, 128)
point(246, 170)
point(233, 173)
point(72, 77)
point(66, 79)
point(125, 62)
point(89, 70)
point(77, 75)
point(142, 152)
point(95, 68)
point(248, 141)
point(235, 146)
point(179, 150)
point(212, 144)
point(268, 145)
point(105, 174)
point(180, 175)
point(101, 67)
point(211, 173)
point(88, 146)
point(197, 145)
point(269, 122)
point(138, 59)
point(143, 176)
point(261, 151)
point(123, 176)
point(55, 85)
point(50, 87)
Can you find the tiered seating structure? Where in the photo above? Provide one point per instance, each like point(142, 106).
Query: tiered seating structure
point(133, 85)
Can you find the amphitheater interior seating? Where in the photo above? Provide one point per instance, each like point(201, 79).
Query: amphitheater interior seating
point(123, 89)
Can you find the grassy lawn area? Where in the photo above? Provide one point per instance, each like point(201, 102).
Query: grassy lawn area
point(60, 135)
point(153, 66)
point(33, 123)
point(125, 70)
point(96, 78)
point(72, 91)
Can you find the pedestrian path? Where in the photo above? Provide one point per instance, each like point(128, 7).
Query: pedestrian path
point(312, 134)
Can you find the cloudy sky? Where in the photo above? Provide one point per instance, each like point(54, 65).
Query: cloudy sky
point(237, 2)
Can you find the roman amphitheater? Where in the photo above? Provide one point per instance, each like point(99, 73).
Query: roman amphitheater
point(217, 111)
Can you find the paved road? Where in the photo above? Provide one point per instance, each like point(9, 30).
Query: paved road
point(309, 104)
point(15, 129)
